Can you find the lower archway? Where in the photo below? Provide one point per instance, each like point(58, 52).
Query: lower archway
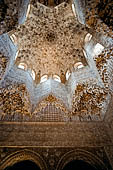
point(23, 158)
point(28, 165)
point(79, 165)
point(79, 159)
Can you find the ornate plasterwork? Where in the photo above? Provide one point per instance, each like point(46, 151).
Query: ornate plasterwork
point(14, 100)
point(51, 40)
point(96, 17)
point(51, 100)
point(89, 101)
point(55, 158)
point(51, 109)
point(104, 64)
point(3, 65)
point(88, 105)
point(12, 13)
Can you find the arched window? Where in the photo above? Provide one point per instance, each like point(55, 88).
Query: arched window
point(68, 74)
point(73, 9)
point(13, 38)
point(88, 37)
point(22, 66)
point(78, 65)
point(57, 78)
point(98, 49)
point(44, 78)
point(28, 10)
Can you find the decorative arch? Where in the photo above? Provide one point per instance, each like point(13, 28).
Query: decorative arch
point(78, 65)
point(22, 66)
point(51, 99)
point(83, 155)
point(56, 78)
point(44, 78)
point(22, 156)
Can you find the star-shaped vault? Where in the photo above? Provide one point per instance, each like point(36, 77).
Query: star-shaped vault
point(51, 43)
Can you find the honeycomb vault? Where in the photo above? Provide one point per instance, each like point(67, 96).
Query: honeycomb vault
point(54, 66)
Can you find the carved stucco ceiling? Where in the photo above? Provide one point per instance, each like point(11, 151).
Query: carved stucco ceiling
point(52, 40)
point(12, 13)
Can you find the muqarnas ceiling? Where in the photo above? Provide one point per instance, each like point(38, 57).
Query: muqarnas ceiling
point(52, 69)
